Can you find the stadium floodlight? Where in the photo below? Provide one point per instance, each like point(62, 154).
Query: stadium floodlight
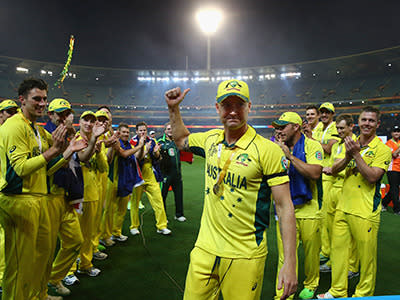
point(209, 21)
point(22, 70)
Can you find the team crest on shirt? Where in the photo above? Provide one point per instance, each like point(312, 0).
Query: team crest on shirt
point(369, 154)
point(243, 159)
point(171, 152)
point(284, 163)
point(318, 155)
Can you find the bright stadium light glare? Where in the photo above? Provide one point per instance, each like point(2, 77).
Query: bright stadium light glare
point(23, 70)
point(209, 20)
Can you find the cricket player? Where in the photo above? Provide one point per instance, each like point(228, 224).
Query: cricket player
point(358, 215)
point(242, 170)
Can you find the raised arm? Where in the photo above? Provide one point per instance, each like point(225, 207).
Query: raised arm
point(98, 130)
point(371, 174)
point(311, 171)
point(179, 131)
point(328, 147)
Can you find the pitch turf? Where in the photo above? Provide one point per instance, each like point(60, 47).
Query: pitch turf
point(152, 266)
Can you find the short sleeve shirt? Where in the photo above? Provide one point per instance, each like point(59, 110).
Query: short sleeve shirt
point(363, 198)
point(395, 163)
point(324, 136)
point(311, 209)
point(339, 152)
point(233, 224)
point(91, 184)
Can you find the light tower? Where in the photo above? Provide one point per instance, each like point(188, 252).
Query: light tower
point(209, 21)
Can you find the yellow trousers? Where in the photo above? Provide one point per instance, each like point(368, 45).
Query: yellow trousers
point(153, 193)
point(103, 177)
point(70, 235)
point(365, 234)
point(2, 261)
point(88, 229)
point(107, 218)
point(307, 231)
point(120, 207)
point(25, 221)
point(336, 195)
point(236, 278)
point(326, 203)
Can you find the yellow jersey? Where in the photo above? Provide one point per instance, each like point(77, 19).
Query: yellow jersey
point(339, 152)
point(311, 209)
point(324, 136)
point(23, 166)
point(91, 185)
point(361, 197)
point(233, 223)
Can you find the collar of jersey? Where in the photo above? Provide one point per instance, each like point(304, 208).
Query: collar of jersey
point(243, 142)
point(373, 143)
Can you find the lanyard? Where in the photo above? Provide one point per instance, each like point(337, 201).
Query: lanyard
point(339, 149)
point(35, 131)
point(218, 188)
point(325, 131)
point(222, 174)
point(364, 151)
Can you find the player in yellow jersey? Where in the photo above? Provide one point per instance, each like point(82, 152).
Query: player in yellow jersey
point(358, 215)
point(8, 108)
point(242, 171)
point(148, 158)
point(62, 193)
point(312, 120)
point(305, 157)
point(24, 154)
point(103, 115)
point(108, 139)
point(124, 176)
point(325, 133)
point(344, 126)
point(92, 161)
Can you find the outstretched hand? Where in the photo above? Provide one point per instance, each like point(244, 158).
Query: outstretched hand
point(352, 147)
point(77, 145)
point(98, 129)
point(58, 136)
point(175, 96)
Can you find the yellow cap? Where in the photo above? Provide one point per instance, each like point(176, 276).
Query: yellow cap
point(233, 87)
point(327, 105)
point(88, 113)
point(288, 117)
point(6, 104)
point(102, 113)
point(59, 105)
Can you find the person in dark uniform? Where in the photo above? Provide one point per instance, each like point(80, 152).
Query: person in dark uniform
point(171, 170)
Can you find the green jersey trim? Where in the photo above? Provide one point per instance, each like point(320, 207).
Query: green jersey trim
point(263, 204)
point(377, 196)
point(198, 151)
point(320, 191)
point(14, 182)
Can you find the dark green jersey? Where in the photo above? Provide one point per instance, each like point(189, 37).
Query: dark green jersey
point(170, 163)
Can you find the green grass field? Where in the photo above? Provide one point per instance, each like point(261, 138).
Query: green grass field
point(151, 266)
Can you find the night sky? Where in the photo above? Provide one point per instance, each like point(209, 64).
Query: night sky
point(160, 34)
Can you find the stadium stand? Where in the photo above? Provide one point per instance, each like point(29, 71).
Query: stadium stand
point(134, 95)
